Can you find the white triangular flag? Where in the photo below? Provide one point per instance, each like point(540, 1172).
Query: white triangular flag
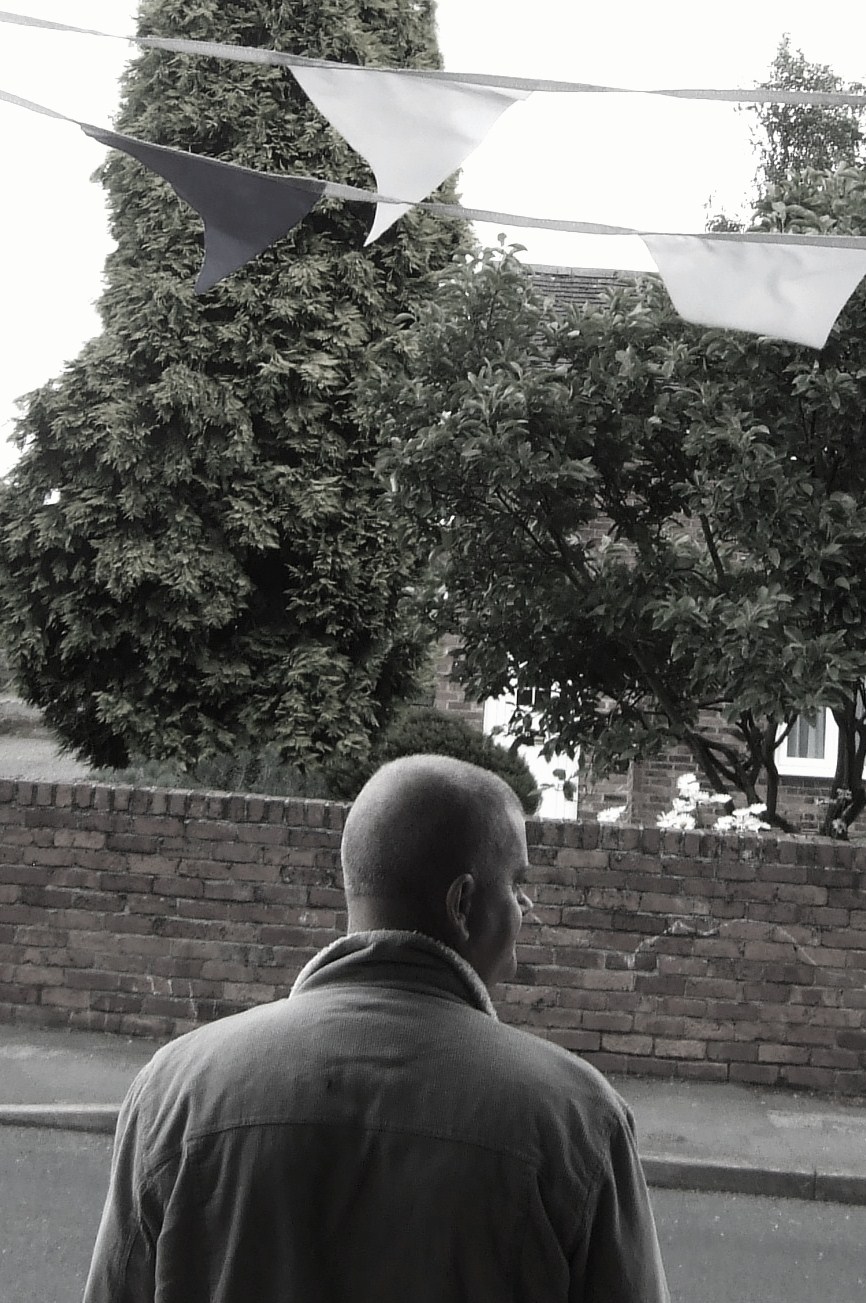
point(413, 132)
point(792, 292)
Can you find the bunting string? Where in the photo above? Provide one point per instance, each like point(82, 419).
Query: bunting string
point(415, 129)
point(356, 194)
point(283, 59)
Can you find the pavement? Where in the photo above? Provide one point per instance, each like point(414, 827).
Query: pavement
point(692, 1135)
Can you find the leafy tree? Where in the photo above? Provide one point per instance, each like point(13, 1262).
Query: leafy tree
point(197, 553)
point(660, 528)
point(790, 139)
point(793, 138)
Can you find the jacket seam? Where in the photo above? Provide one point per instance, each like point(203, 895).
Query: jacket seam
point(193, 1137)
point(593, 1184)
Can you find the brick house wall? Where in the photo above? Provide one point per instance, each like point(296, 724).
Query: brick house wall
point(450, 697)
point(147, 912)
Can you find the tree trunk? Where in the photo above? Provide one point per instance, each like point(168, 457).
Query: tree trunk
point(847, 795)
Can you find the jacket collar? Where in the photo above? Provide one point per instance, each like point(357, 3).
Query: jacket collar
point(400, 958)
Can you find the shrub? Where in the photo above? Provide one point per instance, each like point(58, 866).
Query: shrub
point(417, 730)
point(424, 730)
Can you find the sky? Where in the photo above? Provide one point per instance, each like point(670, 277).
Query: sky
point(628, 160)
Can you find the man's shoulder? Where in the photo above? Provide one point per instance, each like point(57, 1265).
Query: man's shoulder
point(556, 1073)
point(217, 1050)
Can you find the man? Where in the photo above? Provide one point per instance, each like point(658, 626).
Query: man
point(380, 1135)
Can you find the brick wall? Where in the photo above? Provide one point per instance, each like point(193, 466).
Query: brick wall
point(450, 697)
point(689, 955)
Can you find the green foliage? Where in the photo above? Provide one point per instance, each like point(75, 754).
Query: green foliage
point(198, 556)
point(792, 138)
point(261, 772)
point(649, 523)
point(415, 730)
point(423, 730)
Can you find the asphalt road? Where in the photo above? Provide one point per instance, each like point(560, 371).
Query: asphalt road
point(717, 1248)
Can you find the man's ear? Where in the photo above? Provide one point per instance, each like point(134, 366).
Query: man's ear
point(458, 903)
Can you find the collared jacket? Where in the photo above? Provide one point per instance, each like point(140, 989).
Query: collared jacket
point(377, 1137)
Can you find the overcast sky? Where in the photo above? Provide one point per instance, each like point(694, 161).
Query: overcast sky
point(626, 160)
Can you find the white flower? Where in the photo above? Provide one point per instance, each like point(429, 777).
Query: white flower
point(611, 814)
point(682, 805)
point(688, 786)
point(743, 821)
point(676, 819)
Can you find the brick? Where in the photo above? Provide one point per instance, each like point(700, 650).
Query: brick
point(250, 993)
point(160, 825)
point(783, 1054)
point(653, 984)
point(242, 856)
point(151, 865)
point(63, 998)
point(33, 975)
point(569, 858)
point(115, 1002)
point(92, 980)
point(143, 843)
point(573, 1039)
point(845, 939)
point(735, 870)
point(732, 1052)
point(811, 1078)
point(659, 1025)
point(608, 1020)
point(211, 830)
point(604, 980)
point(704, 1071)
point(679, 1049)
point(616, 1043)
point(263, 834)
point(226, 890)
point(757, 1074)
point(852, 1040)
point(536, 996)
point(177, 886)
point(830, 1057)
point(327, 896)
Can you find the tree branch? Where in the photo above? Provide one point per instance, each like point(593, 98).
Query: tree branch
point(713, 551)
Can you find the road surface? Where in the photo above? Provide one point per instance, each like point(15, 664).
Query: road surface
point(717, 1248)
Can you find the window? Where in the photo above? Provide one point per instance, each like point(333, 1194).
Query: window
point(810, 747)
point(532, 698)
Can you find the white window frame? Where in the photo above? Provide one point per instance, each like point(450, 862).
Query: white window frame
point(811, 766)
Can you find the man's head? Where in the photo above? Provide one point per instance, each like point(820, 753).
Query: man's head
point(438, 846)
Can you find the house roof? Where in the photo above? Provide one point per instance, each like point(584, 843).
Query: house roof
point(575, 286)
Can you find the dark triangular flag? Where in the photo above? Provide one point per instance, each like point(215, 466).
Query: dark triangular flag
point(244, 212)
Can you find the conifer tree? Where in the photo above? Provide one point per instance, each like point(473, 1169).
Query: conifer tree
point(197, 553)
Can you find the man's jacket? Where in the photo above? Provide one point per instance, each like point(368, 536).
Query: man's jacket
point(377, 1137)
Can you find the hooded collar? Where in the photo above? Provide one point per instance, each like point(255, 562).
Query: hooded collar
point(402, 958)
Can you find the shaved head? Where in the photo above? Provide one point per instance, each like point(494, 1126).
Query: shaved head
point(438, 846)
point(420, 822)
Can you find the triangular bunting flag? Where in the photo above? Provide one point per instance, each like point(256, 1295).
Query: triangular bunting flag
point(413, 132)
point(244, 212)
point(792, 292)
